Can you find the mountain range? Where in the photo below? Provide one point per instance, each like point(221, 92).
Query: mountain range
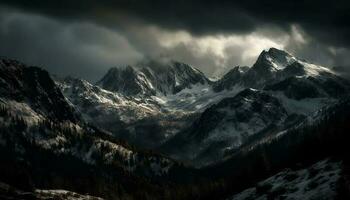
point(167, 129)
point(159, 105)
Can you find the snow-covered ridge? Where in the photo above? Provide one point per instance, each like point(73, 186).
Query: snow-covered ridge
point(63, 194)
point(88, 98)
point(279, 60)
point(319, 181)
point(10, 192)
point(273, 66)
point(276, 58)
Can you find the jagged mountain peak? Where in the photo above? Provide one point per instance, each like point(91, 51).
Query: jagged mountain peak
point(117, 71)
point(240, 69)
point(233, 72)
point(278, 52)
point(126, 80)
point(268, 63)
point(273, 59)
point(75, 80)
point(277, 60)
point(168, 67)
point(72, 86)
point(272, 66)
point(152, 77)
point(230, 79)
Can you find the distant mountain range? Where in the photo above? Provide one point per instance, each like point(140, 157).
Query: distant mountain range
point(159, 106)
point(168, 130)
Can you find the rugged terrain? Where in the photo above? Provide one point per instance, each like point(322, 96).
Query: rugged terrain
point(166, 129)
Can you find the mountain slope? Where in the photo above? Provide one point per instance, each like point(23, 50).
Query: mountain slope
point(34, 104)
point(227, 125)
point(33, 86)
point(315, 139)
point(144, 122)
point(47, 149)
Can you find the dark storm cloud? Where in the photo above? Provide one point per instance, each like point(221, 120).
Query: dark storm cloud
point(78, 49)
point(195, 16)
point(326, 20)
point(85, 37)
point(84, 49)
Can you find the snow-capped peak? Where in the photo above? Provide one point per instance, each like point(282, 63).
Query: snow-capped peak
point(274, 59)
point(279, 60)
point(273, 66)
point(127, 80)
point(152, 77)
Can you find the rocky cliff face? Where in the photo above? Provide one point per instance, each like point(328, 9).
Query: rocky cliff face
point(33, 86)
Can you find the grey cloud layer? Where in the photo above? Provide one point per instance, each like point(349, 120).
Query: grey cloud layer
point(78, 49)
point(324, 19)
point(87, 50)
point(84, 38)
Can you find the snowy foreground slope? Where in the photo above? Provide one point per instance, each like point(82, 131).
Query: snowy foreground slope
point(9, 192)
point(319, 181)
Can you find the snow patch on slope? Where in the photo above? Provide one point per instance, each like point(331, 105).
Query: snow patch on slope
point(194, 99)
point(316, 182)
point(22, 109)
point(63, 194)
point(305, 106)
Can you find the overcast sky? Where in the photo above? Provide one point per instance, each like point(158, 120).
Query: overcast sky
point(84, 38)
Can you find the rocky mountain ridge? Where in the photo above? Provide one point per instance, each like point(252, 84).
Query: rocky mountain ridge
point(150, 112)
